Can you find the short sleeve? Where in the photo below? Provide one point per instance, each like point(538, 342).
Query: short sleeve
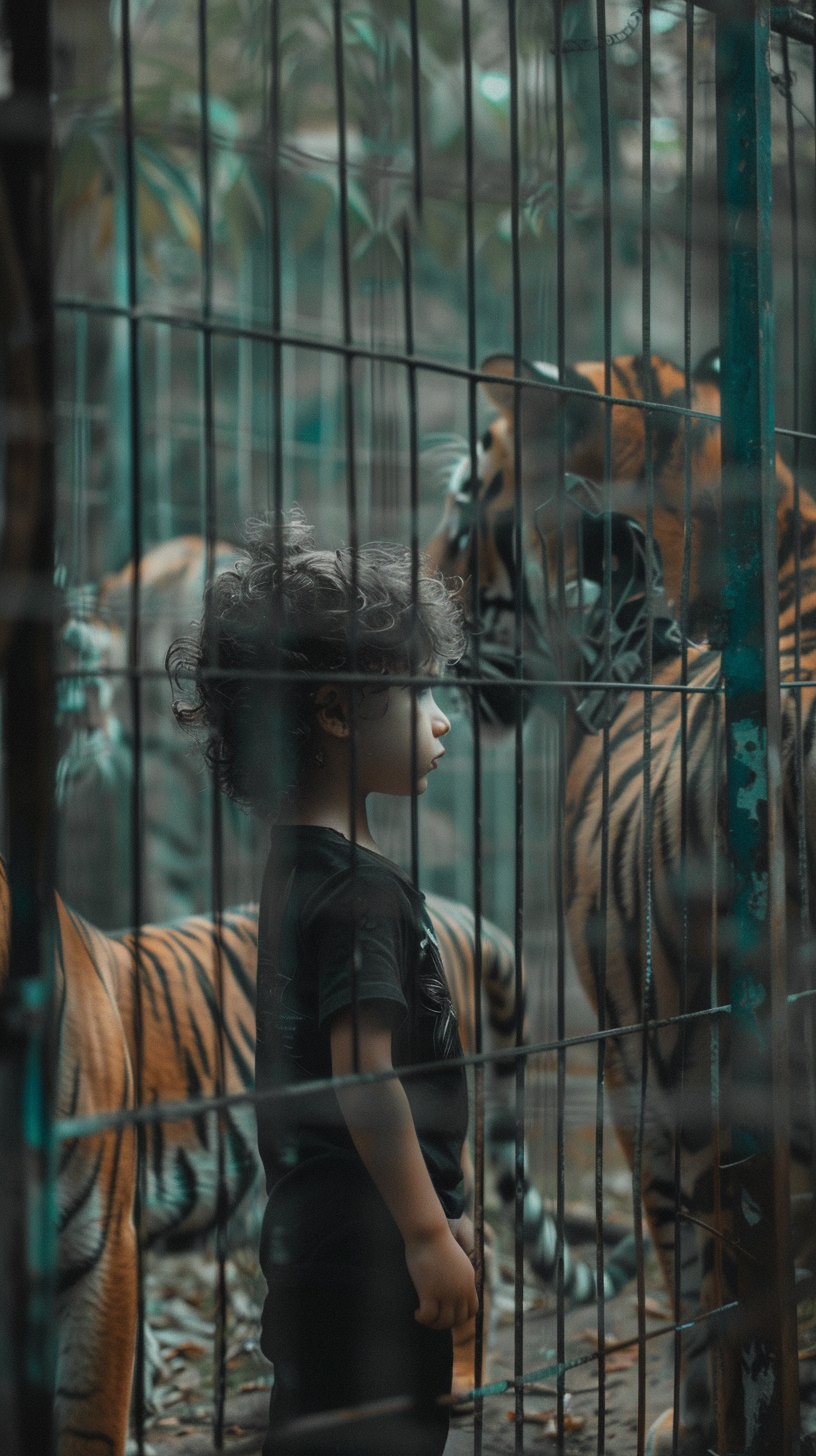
point(365, 914)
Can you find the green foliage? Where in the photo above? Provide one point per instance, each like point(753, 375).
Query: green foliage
point(377, 70)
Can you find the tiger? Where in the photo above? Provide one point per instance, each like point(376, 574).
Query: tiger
point(169, 982)
point(608, 940)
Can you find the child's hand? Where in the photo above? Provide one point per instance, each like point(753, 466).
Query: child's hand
point(443, 1278)
point(462, 1230)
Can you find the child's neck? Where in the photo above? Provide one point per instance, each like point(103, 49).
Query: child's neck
point(324, 809)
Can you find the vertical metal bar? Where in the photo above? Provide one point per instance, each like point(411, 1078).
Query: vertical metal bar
point(79, 521)
point(798, 751)
point(416, 111)
point(351, 486)
point(684, 737)
point(760, 1395)
point(518, 908)
point(27, 1254)
point(477, 867)
point(275, 279)
point(646, 990)
point(163, 395)
point(606, 223)
point(135, 684)
point(413, 416)
point(211, 535)
point(561, 766)
point(413, 508)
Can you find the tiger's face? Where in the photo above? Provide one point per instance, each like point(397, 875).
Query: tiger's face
point(475, 538)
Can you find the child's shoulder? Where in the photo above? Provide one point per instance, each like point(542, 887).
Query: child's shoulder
point(334, 876)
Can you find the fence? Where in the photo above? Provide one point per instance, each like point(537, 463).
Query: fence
point(295, 250)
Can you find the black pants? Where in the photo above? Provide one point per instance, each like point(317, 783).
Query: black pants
point(339, 1327)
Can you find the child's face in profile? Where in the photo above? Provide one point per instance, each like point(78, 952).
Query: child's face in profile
point(385, 761)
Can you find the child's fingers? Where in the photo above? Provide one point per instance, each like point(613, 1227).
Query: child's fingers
point(428, 1313)
point(462, 1230)
point(446, 1314)
point(444, 1319)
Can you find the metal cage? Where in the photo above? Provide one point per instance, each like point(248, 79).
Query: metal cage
point(258, 254)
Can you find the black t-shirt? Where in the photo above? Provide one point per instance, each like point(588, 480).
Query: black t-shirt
point(325, 906)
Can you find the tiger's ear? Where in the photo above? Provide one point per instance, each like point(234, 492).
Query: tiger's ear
point(503, 396)
point(707, 370)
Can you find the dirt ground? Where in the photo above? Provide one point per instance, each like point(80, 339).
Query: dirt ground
point(180, 1309)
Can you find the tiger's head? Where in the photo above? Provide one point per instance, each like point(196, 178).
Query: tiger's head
point(475, 539)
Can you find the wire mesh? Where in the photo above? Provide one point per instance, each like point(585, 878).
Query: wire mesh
point(308, 253)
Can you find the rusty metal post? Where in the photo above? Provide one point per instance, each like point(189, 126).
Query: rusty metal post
point(26, 635)
point(759, 1379)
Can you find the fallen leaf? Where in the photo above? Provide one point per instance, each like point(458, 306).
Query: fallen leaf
point(621, 1360)
point(571, 1423)
point(590, 1337)
point(656, 1308)
point(188, 1350)
point(548, 1421)
point(534, 1418)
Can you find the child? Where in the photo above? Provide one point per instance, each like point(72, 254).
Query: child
point(364, 1246)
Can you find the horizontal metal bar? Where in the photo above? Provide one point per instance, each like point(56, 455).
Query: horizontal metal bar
point(794, 23)
point(786, 20)
point(362, 351)
point(91, 1126)
point(387, 356)
point(794, 434)
point(550, 1372)
point(405, 680)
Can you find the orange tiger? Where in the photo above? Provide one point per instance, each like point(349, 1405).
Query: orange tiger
point(184, 970)
point(608, 940)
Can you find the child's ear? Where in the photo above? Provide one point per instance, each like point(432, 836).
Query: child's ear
point(331, 704)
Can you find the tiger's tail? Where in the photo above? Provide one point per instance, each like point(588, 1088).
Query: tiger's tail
point(541, 1232)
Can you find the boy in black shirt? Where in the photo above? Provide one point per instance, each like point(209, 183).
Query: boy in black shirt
point(365, 1248)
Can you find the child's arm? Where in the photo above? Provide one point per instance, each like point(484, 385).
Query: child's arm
point(379, 1120)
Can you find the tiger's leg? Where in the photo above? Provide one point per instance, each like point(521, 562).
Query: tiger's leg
point(682, 1223)
point(96, 1182)
point(97, 1311)
point(699, 1281)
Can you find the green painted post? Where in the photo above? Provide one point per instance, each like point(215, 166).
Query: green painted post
point(758, 1406)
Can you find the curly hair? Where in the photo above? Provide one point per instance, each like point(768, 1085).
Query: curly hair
point(271, 628)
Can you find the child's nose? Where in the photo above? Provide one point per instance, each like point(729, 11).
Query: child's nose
point(441, 724)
